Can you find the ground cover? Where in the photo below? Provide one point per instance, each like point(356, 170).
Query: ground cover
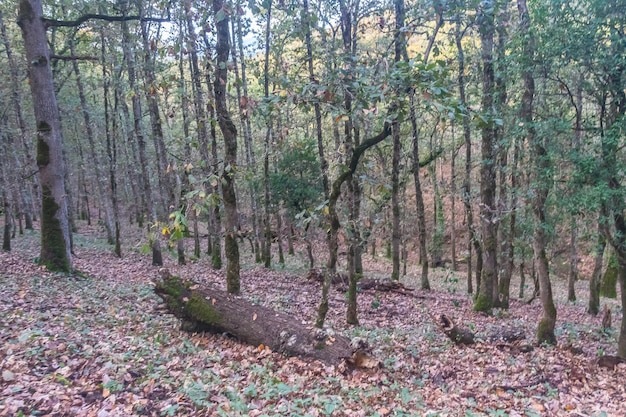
point(101, 344)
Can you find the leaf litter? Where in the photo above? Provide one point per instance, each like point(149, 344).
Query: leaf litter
point(102, 344)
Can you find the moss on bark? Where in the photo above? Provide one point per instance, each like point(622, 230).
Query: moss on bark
point(545, 332)
point(232, 267)
point(609, 281)
point(53, 244)
point(200, 310)
point(483, 303)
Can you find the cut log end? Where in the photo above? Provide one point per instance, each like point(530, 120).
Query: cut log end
point(459, 335)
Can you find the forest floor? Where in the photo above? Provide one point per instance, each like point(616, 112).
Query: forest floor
point(103, 345)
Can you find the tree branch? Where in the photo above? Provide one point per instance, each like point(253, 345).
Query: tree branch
point(74, 58)
point(95, 16)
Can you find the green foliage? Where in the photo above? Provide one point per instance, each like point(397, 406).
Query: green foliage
point(297, 182)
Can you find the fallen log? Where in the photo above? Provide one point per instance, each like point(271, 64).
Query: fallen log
point(458, 335)
point(206, 309)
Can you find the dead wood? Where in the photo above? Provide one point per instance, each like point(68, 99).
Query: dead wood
point(610, 362)
point(318, 276)
point(459, 335)
point(382, 285)
point(514, 348)
point(207, 309)
point(507, 335)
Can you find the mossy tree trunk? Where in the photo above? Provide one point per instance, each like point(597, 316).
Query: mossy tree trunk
point(55, 231)
point(6, 235)
point(543, 181)
point(334, 218)
point(229, 132)
point(472, 234)
point(595, 280)
point(608, 288)
point(484, 300)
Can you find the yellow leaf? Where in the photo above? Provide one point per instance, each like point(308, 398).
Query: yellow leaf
point(165, 231)
point(325, 210)
point(261, 347)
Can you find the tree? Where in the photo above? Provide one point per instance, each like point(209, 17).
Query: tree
point(484, 299)
point(543, 182)
point(55, 233)
point(229, 131)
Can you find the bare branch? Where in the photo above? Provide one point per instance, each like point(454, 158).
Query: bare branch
point(74, 58)
point(95, 16)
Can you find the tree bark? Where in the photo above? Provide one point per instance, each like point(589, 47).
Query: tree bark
point(55, 232)
point(334, 217)
point(596, 276)
point(229, 132)
point(484, 301)
point(267, 252)
point(157, 256)
point(541, 169)
point(244, 110)
point(100, 179)
point(459, 335)
point(472, 234)
point(206, 309)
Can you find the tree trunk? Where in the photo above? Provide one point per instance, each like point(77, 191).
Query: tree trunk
point(320, 151)
point(157, 257)
point(55, 232)
point(111, 146)
point(167, 184)
point(267, 253)
point(100, 179)
point(484, 301)
point(396, 233)
point(229, 132)
point(206, 309)
point(502, 282)
point(6, 235)
point(244, 110)
point(573, 267)
point(30, 167)
point(334, 218)
point(472, 235)
point(395, 203)
point(595, 280)
point(453, 208)
point(608, 288)
point(541, 165)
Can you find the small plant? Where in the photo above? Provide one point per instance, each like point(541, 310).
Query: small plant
point(376, 301)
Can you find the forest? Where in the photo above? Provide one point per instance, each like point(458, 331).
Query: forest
point(313, 208)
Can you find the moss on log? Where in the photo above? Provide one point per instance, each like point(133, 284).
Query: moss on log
point(206, 309)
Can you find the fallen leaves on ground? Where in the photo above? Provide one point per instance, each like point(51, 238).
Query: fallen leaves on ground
point(103, 345)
